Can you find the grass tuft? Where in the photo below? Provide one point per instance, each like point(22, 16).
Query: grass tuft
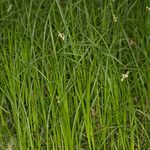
point(74, 75)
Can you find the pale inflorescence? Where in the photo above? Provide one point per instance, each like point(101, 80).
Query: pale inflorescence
point(114, 18)
point(61, 35)
point(125, 76)
point(9, 8)
point(148, 9)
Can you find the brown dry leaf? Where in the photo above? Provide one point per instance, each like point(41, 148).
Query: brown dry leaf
point(9, 146)
point(93, 112)
point(131, 41)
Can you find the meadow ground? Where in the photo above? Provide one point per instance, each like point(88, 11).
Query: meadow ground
point(75, 74)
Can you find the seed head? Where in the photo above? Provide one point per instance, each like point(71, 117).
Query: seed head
point(61, 35)
point(125, 76)
point(114, 18)
point(148, 9)
point(9, 8)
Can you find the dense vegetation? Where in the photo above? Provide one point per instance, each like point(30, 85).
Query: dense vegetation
point(75, 74)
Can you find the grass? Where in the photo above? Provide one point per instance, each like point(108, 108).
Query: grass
point(67, 93)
